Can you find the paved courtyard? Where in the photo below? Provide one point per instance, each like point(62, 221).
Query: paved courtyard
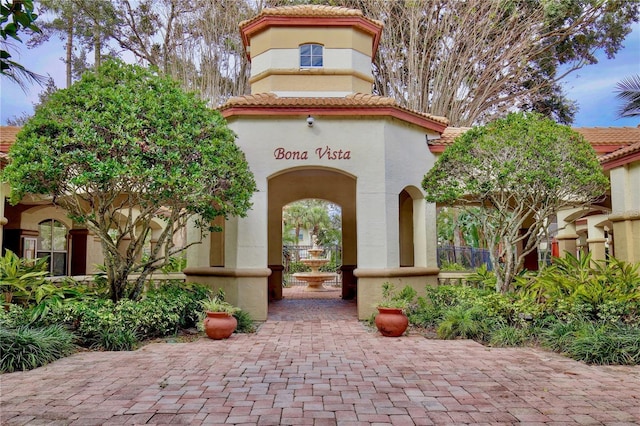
point(313, 363)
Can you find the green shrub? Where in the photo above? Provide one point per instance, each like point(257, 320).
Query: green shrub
point(447, 296)
point(115, 339)
point(16, 316)
point(25, 348)
point(508, 336)
point(332, 266)
point(394, 299)
point(295, 267)
point(575, 287)
point(452, 267)
point(559, 335)
point(424, 313)
point(18, 276)
point(161, 312)
point(245, 322)
point(606, 345)
point(461, 322)
point(483, 278)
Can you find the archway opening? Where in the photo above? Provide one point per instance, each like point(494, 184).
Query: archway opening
point(311, 249)
point(333, 187)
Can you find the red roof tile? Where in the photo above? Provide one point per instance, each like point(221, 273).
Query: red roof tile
point(8, 137)
point(309, 10)
point(610, 135)
point(604, 140)
point(621, 156)
point(357, 100)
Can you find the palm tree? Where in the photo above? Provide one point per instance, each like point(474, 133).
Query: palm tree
point(294, 217)
point(316, 218)
point(629, 92)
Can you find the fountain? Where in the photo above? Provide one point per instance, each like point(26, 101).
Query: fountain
point(315, 278)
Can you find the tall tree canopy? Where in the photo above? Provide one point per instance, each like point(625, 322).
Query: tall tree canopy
point(123, 148)
point(521, 170)
point(471, 61)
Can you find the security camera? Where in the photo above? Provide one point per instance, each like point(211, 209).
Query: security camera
point(310, 121)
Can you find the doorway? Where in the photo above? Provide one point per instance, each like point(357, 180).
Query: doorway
point(328, 184)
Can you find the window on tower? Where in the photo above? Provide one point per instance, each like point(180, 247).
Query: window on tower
point(311, 56)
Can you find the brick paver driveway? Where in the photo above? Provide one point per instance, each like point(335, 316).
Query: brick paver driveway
point(302, 367)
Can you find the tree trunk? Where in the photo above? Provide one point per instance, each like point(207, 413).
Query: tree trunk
point(97, 47)
point(69, 49)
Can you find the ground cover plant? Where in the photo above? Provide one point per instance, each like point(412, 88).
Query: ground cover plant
point(92, 320)
point(589, 311)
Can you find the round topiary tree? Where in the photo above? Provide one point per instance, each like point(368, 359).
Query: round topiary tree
point(124, 147)
point(521, 170)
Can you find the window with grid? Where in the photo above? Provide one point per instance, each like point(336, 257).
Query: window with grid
point(311, 56)
point(52, 243)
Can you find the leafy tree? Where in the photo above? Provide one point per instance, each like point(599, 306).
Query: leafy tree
point(471, 61)
point(16, 16)
point(332, 233)
point(316, 218)
point(293, 217)
point(321, 217)
point(124, 147)
point(76, 22)
point(521, 170)
point(461, 227)
point(467, 60)
point(629, 92)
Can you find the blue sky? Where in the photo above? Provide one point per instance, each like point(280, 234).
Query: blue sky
point(592, 87)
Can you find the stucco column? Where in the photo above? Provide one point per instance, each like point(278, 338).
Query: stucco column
point(567, 235)
point(626, 233)
point(373, 230)
point(625, 202)
point(3, 220)
point(595, 237)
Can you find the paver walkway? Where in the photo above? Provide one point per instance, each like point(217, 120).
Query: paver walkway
point(303, 368)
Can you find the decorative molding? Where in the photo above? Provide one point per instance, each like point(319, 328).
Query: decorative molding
point(562, 237)
point(628, 215)
point(227, 272)
point(311, 72)
point(395, 272)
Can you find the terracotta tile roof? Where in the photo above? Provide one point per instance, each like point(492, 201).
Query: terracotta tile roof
point(449, 135)
point(619, 156)
point(357, 100)
point(604, 140)
point(610, 135)
point(7, 137)
point(309, 10)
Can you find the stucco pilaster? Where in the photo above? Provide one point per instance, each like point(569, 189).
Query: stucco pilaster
point(626, 234)
point(625, 201)
point(4, 191)
point(596, 238)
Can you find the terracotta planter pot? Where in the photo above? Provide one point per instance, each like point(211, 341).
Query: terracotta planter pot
point(219, 325)
point(391, 322)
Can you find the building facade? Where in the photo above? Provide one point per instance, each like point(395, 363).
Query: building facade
point(311, 128)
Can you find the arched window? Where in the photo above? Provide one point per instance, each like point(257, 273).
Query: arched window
point(52, 243)
point(406, 229)
point(311, 56)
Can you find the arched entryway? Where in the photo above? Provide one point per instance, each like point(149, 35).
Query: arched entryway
point(327, 184)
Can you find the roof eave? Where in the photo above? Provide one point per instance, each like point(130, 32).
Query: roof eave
point(621, 161)
point(262, 23)
point(390, 111)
